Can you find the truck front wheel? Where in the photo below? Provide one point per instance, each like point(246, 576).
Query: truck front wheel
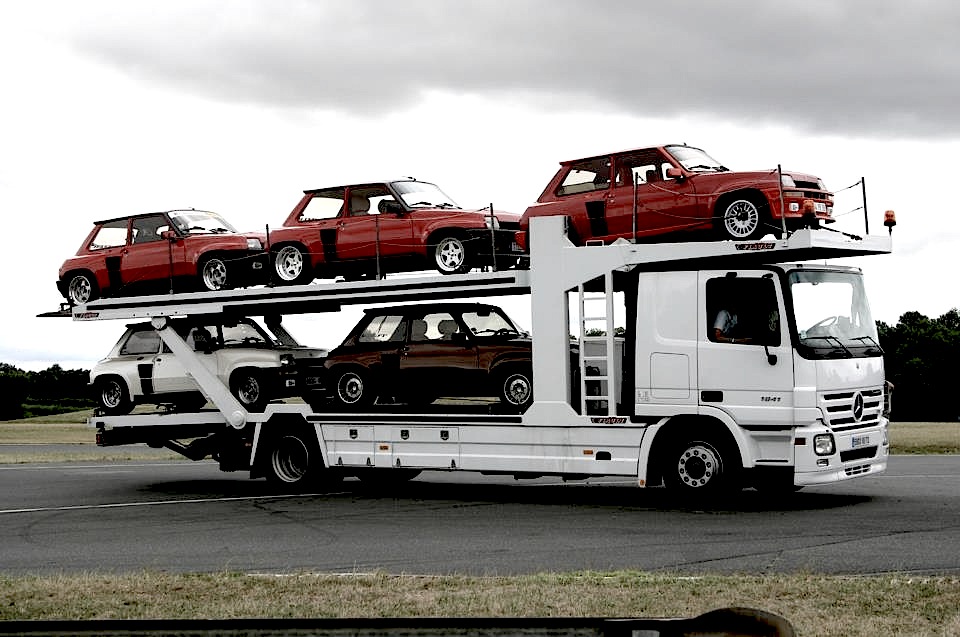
point(699, 464)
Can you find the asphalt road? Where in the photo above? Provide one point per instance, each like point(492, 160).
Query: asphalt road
point(181, 516)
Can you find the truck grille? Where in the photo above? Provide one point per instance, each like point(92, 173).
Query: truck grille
point(857, 470)
point(846, 412)
point(858, 454)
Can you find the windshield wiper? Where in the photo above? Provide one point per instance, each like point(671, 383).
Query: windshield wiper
point(839, 348)
point(719, 168)
point(877, 350)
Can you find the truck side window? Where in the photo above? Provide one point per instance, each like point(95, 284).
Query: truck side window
point(742, 310)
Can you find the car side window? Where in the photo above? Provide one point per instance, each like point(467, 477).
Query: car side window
point(586, 176)
point(148, 229)
point(324, 205)
point(110, 235)
point(141, 343)
point(439, 326)
point(645, 168)
point(382, 329)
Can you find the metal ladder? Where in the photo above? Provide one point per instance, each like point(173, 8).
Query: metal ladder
point(592, 315)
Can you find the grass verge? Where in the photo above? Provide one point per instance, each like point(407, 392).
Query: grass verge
point(814, 604)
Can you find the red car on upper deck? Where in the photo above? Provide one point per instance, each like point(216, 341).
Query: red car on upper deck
point(187, 249)
point(404, 224)
point(678, 189)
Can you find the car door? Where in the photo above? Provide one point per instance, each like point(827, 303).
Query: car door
point(169, 373)
point(368, 230)
point(582, 193)
point(435, 360)
point(662, 205)
point(147, 257)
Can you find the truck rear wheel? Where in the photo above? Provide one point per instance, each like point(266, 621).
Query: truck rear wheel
point(294, 461)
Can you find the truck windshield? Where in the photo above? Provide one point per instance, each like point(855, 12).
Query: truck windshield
point(419, 194)
point(694, 159)
point(832, 316)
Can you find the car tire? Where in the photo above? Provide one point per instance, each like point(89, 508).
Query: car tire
point(249, 388)
point(213, 274)
point(699, 463)
point(450, 255)
point(113, 397)
point(742, 218)
point(515, 388)
point(82, 288)
point(353, 389)
point(294, 461)
point(291, 265)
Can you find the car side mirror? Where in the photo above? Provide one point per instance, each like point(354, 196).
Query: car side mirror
point(394, 207)
point(674, 173)
point(169, 235)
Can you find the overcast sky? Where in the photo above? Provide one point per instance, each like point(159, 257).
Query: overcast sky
point(110, 108)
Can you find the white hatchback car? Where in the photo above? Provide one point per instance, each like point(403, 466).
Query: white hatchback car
point(254, 365)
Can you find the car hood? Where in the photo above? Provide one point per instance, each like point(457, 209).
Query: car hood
point(501, 215)
point(304, 352)
point(754, 177)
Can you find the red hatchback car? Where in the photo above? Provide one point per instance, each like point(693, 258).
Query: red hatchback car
point(403, 225)
point(183, 250)
point(642, 193)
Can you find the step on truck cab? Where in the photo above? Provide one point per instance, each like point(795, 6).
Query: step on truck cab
point(736, 365)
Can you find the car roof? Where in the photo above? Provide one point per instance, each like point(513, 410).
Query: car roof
point(155, 212)
point(623, 152)
point(362, 184)
point(426, 307)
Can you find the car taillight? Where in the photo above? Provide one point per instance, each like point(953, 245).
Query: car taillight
point(521, 239)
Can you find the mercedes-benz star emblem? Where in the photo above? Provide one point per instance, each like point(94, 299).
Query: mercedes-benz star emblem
point(858, 407)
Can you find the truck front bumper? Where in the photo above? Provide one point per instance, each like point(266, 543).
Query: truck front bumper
point(856, 453)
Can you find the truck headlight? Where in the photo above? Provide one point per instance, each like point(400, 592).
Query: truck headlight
point(823, 445)
point(254, 244)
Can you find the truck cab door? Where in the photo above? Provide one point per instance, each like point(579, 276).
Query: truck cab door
point(745, 362)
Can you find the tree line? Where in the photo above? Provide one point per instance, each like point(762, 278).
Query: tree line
point(921, 358)
point(52, 391)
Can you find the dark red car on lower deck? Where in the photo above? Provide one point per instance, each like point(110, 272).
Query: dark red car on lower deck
point(391, 226)
point(647, 192)
point(186, 249)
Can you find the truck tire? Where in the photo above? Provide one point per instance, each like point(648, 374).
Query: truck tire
point(113, 397)
point(698, 463)
point(294, 461)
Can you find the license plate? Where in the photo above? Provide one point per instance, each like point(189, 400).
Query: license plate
point(859, 441)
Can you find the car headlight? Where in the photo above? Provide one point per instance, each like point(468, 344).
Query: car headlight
point(492, 222)
point(787, 181)
point(254, 244)
point(823, 445)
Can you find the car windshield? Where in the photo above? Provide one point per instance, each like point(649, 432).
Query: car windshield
point(490, 322)
point(244, 334)
point(832, 316)
point(419, 194)
point(694, 159)
point(199, 222)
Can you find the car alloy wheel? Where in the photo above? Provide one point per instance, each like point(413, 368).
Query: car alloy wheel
point(741, 220)
point(451, 256)
point(80, 290)
point(289, 264)
point(214, 274)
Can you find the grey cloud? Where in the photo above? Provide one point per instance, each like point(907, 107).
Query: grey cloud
point(872, 68)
